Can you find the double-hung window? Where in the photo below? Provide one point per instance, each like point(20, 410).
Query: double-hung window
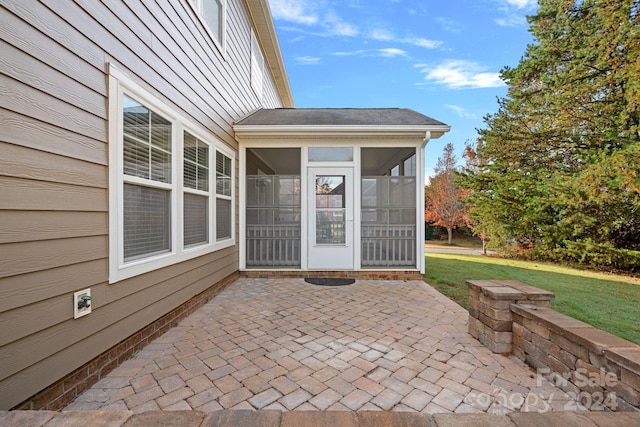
point(147, 181)
point(196, 198)
point(212, 13)
point(171, 184)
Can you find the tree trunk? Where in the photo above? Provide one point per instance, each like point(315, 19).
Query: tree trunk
point(450, 233)
point(484, 247)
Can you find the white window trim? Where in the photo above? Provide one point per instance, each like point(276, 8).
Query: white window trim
point(197, 5)
point(119, 85)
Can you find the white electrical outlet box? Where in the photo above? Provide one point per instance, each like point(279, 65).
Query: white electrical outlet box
point(82, 303)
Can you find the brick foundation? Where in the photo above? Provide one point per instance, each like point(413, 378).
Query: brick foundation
point(598, 369)
point(360, 274)
point(64, 391)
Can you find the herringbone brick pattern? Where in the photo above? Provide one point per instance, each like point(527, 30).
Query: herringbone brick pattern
point(284, 344)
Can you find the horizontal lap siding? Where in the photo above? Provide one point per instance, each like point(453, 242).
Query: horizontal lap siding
point(54, 168)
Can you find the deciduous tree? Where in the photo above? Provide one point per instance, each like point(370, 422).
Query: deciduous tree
point(443, 196)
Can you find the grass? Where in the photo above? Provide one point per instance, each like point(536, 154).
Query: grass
point(605, 301)
point(458, 241)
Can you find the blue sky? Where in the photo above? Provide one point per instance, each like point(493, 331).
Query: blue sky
point(440, 58)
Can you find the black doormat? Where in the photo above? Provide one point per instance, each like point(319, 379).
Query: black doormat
point(329, 281)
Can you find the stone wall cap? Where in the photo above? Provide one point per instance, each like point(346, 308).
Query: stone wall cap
point(532, 292)
point(479, 284)
point(596, 340)
point(557, 322)
point(627, 357)
point(525, 291)
point(502, 292)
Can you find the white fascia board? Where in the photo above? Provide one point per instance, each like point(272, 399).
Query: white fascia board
point(253, 130)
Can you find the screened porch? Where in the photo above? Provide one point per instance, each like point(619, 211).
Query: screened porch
point(386, 216)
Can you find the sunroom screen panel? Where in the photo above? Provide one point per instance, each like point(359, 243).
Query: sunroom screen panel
point(388, 218)
point(273, 221)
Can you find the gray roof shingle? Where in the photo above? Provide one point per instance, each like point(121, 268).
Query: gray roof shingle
point(338, 117)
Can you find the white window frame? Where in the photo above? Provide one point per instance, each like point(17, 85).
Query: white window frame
point(210, 193)
point(217, 196)
point(121, 84)
point(220, 41)
point(257, 67)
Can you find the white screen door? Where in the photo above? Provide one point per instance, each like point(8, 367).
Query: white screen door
point(330, 219)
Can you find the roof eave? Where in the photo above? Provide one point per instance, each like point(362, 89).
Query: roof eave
point(266, 33)
point(379, 130)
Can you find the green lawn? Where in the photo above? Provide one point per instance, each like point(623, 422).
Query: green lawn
point(606, 301)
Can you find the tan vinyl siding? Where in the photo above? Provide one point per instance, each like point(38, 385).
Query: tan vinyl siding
point(54, 196)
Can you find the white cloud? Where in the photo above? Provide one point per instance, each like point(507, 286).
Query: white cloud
point(461, 111)
point(381, 34)
point(522, 4)
point(457, 74)
point(426, 43)
point(307, 60)
point(355, 53)
point(296, 11)
point(389, 52)
point(311, 14)
point(514, 11)
point(337, 27)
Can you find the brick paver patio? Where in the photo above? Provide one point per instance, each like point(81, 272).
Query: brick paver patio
point(287, 345)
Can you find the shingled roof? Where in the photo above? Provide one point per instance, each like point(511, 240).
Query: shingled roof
point(332, 117)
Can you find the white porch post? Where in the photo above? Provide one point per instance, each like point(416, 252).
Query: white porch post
point(420, 207)
point(242, 180)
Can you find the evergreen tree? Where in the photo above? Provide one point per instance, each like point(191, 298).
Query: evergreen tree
point(560, 167)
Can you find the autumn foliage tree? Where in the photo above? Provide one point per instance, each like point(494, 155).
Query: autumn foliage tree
point(443, 196)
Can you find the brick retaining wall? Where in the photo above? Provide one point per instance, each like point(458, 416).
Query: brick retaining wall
point(600, 370)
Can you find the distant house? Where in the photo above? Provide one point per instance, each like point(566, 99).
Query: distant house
point(150, 153)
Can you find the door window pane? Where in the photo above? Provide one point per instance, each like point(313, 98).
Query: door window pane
point(330, 210)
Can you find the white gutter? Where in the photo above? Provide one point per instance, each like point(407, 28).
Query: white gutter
point(271, 129)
